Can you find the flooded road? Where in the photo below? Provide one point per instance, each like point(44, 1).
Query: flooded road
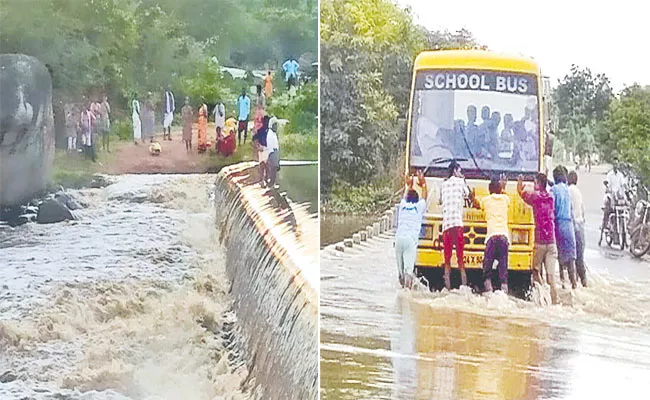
point(380, 342)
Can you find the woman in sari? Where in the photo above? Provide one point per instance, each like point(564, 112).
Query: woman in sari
point(228, 144)
point(203, 128)
point(268, 85)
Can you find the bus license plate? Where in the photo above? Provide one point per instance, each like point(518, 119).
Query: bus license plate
point(473, 260)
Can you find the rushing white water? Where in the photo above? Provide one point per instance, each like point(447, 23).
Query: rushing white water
point(129, 302)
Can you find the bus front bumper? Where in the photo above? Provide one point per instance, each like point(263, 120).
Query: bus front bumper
point(433, 258)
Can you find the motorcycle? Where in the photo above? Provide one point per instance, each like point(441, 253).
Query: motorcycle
point(615, 228)
point(639, 228)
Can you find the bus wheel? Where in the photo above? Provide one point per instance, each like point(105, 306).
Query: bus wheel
point(519, 284)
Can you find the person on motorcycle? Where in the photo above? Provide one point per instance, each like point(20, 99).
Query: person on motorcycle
point(614, 194)
point(616, 181)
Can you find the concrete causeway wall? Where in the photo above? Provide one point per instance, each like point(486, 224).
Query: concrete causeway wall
point(273, 268)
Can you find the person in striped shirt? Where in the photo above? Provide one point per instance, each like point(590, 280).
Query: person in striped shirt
point(453, 194)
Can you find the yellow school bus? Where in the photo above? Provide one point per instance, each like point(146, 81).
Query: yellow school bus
point(482, 109)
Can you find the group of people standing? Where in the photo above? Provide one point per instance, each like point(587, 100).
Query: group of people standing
point(559, 226)
point(84, 124)
point(143, 119)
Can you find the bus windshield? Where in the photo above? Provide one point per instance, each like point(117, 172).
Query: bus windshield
point(489, 119)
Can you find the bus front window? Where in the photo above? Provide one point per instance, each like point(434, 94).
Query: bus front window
point(489, 119)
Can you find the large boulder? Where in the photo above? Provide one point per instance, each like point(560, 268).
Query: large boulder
point(52, 211)
point(26, 128)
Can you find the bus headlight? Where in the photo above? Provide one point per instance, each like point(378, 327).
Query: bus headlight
point(520, 236)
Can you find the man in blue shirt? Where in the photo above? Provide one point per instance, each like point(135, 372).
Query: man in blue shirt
point(409, 221)
point(564, 227)
point(244, 107)
point(290, 68)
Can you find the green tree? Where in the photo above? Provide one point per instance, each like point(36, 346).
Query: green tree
point(367, 53)
point(626, 131)
point(581, 101)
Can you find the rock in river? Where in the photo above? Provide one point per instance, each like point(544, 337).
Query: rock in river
point(51, 211)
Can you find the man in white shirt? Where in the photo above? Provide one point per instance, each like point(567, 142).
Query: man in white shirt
point(616, 181)
point(168, 113)
point(578, 209)
point(273, 147)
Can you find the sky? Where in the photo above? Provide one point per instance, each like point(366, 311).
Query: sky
point(610, 38)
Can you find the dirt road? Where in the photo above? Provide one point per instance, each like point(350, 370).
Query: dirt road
point(129, 158)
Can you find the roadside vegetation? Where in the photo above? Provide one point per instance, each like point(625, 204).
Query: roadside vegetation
point(365, 81)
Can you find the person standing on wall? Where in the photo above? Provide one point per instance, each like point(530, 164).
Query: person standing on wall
point(453, 194)
point(273, 148)
point(168, 113)
point(244, 108)
point(410, 213)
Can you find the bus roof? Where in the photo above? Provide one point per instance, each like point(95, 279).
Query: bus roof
point(475, 59)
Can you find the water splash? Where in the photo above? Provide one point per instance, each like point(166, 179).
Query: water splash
point(129, 302)
point(271, 259)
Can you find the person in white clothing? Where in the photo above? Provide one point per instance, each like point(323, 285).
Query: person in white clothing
point(71, 126)
point(616, 181)
point(410, 213)
point(135, 117)
point(273, 149)
point(168, 118)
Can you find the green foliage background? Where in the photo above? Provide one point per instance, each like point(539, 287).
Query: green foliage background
point(367, 51)
point(127, 47)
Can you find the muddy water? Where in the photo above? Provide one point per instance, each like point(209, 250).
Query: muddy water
point(129, 302)
point(380, 342)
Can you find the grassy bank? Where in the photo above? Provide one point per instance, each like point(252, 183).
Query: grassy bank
point(74, 171)
point(363, 200)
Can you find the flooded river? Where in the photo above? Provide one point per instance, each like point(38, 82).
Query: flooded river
point(130, 301)
point(380, 342)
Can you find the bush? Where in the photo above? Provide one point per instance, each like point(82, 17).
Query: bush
point(296, 146)
point(345, 198)
point(301, 111)
point(123, 129)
